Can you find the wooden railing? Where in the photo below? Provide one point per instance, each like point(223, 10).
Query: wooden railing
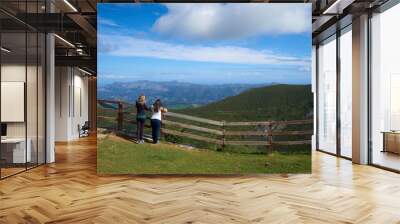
point(218, 129)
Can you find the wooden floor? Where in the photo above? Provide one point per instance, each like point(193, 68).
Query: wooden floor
point(387, 159)
point(69, 191)
point(5, 172)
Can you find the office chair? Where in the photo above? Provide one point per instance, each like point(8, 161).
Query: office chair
point(84, 130)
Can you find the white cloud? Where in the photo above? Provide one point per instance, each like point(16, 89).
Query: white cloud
point(115, 77)
point(233, 21)
point(120, 45)
point(107, 22)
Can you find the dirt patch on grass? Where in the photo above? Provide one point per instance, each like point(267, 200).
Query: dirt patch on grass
point(113, 137)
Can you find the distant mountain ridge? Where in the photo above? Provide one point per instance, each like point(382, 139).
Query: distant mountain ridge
point(173, 93)
point(275, 102)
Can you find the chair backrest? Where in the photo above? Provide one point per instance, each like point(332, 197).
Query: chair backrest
point(86, 125)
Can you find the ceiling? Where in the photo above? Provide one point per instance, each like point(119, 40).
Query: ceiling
point(75, 22)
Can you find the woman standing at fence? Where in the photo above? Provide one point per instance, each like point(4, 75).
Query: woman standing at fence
point(141, 108)
point(157, 110)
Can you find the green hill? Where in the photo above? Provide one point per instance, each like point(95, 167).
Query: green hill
point(277, 102)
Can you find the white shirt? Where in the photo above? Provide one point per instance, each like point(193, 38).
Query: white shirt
point(156, 115)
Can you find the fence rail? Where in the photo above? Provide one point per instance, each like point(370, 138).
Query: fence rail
point(218, 130)
point(192, 136)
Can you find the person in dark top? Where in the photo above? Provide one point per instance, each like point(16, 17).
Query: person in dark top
point(141, 109)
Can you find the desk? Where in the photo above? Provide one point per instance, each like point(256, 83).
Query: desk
point(391, 141)
point(17, 150)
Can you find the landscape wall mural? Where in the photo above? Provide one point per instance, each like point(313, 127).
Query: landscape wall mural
point(204, 88)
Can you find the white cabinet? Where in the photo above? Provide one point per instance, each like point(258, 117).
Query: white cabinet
point(19, 154)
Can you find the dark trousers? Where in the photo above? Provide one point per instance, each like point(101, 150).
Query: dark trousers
point(155, 129)
point(140, 128)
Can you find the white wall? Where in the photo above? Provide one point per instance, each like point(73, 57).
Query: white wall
point(81, 113)
point(17, 73)
point(62, 82)
point(12, 73)
point(71, 102)
point(33, 127)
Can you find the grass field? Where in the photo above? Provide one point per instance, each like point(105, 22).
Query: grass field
point(119, 156)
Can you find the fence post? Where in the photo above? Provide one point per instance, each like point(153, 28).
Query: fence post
point(270, 146)
point(120, 118)
point(223, 135)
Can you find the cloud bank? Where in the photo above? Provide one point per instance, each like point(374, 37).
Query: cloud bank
point(127, 46)
point(233, 21)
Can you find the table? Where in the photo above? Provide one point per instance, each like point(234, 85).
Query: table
point(391, 141)
point(16, 153)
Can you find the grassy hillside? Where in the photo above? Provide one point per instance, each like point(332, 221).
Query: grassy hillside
point(277, 102)
point(118, 156)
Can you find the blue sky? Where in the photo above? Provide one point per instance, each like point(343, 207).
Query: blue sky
point(205, 43)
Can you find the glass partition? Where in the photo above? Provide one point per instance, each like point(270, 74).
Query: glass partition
point(385, 89)
point(13, 114)
point(22, 91)
point(327, 97)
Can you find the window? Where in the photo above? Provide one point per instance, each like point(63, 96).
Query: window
point(346, 93)
point(385, 89)
point(327, 96)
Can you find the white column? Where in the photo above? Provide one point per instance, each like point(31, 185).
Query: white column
point(50, 103)
point(50, 92)
point(360, 90)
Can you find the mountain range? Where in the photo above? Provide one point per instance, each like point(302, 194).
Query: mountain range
point(174, 94)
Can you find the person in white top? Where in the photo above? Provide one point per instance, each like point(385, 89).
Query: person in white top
point(156, 118)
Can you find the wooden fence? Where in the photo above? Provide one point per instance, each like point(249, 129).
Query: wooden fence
point(219, 129)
